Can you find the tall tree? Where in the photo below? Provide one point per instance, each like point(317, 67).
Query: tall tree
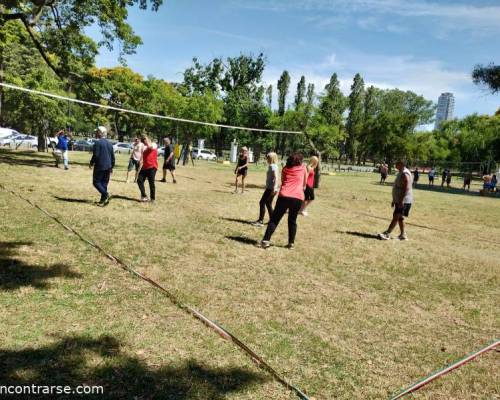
point(301, 93)
point(269, 97)
point(333, 104)
point(488, 75)
point(354, 125)
point(57, 30)
point(283, 87)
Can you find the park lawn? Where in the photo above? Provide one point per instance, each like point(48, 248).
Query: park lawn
point(342, 316)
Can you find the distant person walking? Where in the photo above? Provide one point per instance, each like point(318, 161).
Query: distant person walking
point(384, 171)
point(103, 161)
point(467, 181)
point(416, 177)
point(272, 187)
point(431, 175)
point(309, 190)
point(147, 169)
point(448, 179)
point(169, 162)
point(61, 150)
point(241, 169)
point(135, 158)
point(290, 198)
point(402, 199)
point(444, 177)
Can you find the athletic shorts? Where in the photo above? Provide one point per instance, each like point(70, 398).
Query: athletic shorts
point(431, 179)
point(404, 211)
point(242, 172)
point(169, 165)
point(133, 164)
point(309, 193)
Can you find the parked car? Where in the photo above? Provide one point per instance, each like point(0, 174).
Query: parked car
point(24, 140)
point(6, 132)
point(122, 148)
point(8, 139)
point(203, 154)
point(82, 145)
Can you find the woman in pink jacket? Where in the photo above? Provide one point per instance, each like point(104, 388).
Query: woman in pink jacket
point(290, 197)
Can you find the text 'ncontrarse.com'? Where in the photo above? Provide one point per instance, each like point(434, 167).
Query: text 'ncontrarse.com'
point(14, 390)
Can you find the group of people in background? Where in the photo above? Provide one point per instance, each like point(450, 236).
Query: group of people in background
point(143, 159)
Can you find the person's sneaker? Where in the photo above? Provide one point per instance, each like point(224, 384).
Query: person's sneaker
point(265, 244)
point(304, 213)
point(384, 236)
point(403, 237)
point(163, 180)
point(66, 168)
point(289, 246)
point(144, 199)
point(258, 224)
point(175, 181)
point(106, 200)
point(152, 201)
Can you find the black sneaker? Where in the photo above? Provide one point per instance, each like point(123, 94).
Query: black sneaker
point(163, 180)
point(265, 244)
point(289, 246)
point(175, 181)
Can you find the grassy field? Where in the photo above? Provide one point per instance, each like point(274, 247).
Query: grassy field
point(342, 316)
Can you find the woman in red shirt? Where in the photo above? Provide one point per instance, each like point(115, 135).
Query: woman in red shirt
point(147, 168)
point(309, 192)
point(290, 197)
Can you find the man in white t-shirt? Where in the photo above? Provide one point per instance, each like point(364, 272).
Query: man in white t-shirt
point(135, 158)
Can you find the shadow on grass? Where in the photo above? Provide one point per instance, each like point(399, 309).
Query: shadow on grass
point(120, 197)
point(72, 361)
point(238, 220)
point(72, 200)
point(247, 185)
point(243, 239)
point(360, 234)
point(31, 159)
point(15, 273)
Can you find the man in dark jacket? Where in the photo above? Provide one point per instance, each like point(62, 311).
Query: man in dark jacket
point(103, 161)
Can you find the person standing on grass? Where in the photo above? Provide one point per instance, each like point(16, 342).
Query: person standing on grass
point(169, 163)
point(467, 181)
point(241, 169)
point(309, 191)
point(416, 176)
point(61, 151)
point(272, 187)
point(384, 170)
point(432, 174)
point(444, 176)
point(147, 169)
point(402, 199)
point(135, 158)
point(103, 161)
point(290, 198)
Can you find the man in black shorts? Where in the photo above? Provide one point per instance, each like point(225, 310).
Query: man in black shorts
point(402, 199)
point(169, 163)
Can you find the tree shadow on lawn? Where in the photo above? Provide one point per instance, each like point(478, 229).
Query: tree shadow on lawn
point(31, 159)
point(360, 234)
point(247, 185)
point(72, 361)
point(15, 273)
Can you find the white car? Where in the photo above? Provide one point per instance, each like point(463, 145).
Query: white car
point(203, 155)
point(6, 132)
point(122, 148)
point(24, 140)
point(6, 141)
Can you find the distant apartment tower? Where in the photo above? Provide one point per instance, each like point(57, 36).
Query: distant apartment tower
point(446, 105)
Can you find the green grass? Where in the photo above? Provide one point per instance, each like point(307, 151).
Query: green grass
point(342, 316)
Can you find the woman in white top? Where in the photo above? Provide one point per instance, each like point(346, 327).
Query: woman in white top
point(135, 158)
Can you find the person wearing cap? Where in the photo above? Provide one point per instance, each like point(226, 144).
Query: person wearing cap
point(402, 199)
point(103, 161)
point(61, 150)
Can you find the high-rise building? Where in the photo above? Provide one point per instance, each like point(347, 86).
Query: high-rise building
point(446, 105)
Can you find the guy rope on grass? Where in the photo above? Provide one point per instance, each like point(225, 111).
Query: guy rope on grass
point(259, 361)
point(445, 370)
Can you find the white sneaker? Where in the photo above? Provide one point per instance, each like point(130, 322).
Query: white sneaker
point(403, 237)
point(144, 199)
point(384, 236)
point(304, 213)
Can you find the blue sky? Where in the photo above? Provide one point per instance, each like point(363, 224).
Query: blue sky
point(425, 46)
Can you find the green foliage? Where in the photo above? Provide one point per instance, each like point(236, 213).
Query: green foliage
point(283, 86)
point(300, 93)
point(354, 125)
point(488, 75)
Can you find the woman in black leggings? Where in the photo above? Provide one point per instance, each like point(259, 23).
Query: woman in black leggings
point(290, 197)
